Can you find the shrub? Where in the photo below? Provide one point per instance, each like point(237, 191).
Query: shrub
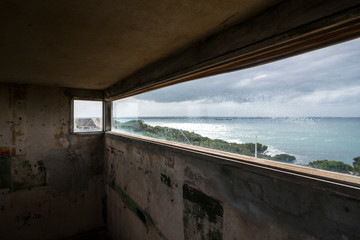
point(284, 158)
point(356, 165)
point(335, 166)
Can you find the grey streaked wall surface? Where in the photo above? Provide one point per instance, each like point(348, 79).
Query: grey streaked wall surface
point(51, 182)
point(155, 192)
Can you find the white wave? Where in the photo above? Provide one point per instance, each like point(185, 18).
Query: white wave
point(271, 151)
point(234, 141)
point(213, 131)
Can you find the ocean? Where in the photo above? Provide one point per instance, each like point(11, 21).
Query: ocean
point(308, 139)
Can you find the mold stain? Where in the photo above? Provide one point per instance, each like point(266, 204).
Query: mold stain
point(202, 216)
point(68, 171)
point(134, 207)
point(104, 208)
point(170, 162)
point(145, 172)
point(165, 180)
point(25, 175)
point(26, 219)
point(5, 168)
point(141, 216)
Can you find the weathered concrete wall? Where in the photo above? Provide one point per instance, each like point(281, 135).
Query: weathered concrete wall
point(158, 192)
point(51, 182)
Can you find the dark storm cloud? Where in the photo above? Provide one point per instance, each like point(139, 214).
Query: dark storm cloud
point(322, 72)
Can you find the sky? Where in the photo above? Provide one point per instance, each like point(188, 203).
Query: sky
point(322, 83)
point(87, 109)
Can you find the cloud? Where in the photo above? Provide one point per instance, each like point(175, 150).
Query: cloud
point(87, 109)
point(323, 77)
point(342, 96)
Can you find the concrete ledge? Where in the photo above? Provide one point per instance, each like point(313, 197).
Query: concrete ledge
point(343, 184)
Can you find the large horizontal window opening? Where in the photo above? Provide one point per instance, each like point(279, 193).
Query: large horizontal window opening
point(303, 110)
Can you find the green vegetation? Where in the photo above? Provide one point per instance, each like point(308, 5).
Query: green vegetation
point(182, 136)
point(248, 149)
point(356, 164)
point(284, 158)
point(335, 166)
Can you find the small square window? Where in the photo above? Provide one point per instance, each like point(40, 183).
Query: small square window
point(88, 116)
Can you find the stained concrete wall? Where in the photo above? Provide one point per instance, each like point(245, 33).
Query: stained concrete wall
point(52, 186)
point(51, 181)
point(157, 192)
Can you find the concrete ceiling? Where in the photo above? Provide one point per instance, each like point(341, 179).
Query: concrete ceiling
point(94, 44)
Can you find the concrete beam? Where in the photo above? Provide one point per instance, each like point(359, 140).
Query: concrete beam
point(85, 94)
point(286, 29)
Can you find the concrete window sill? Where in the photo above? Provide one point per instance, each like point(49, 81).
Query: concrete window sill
point(344, 184)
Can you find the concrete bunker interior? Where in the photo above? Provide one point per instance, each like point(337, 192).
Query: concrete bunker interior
point(56, 184)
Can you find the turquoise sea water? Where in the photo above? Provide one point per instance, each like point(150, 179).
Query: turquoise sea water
point(308, 139)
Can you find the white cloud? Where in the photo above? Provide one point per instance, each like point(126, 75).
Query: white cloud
point(325, 82)
point(87, 109)
point(335, 96)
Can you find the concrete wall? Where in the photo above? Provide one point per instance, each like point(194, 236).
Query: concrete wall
point(157, 192)
point(51, 182)
point(52, 186)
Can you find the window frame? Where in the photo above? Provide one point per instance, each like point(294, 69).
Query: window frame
point(295, 170)
point(319, 34)
point(72, 119)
